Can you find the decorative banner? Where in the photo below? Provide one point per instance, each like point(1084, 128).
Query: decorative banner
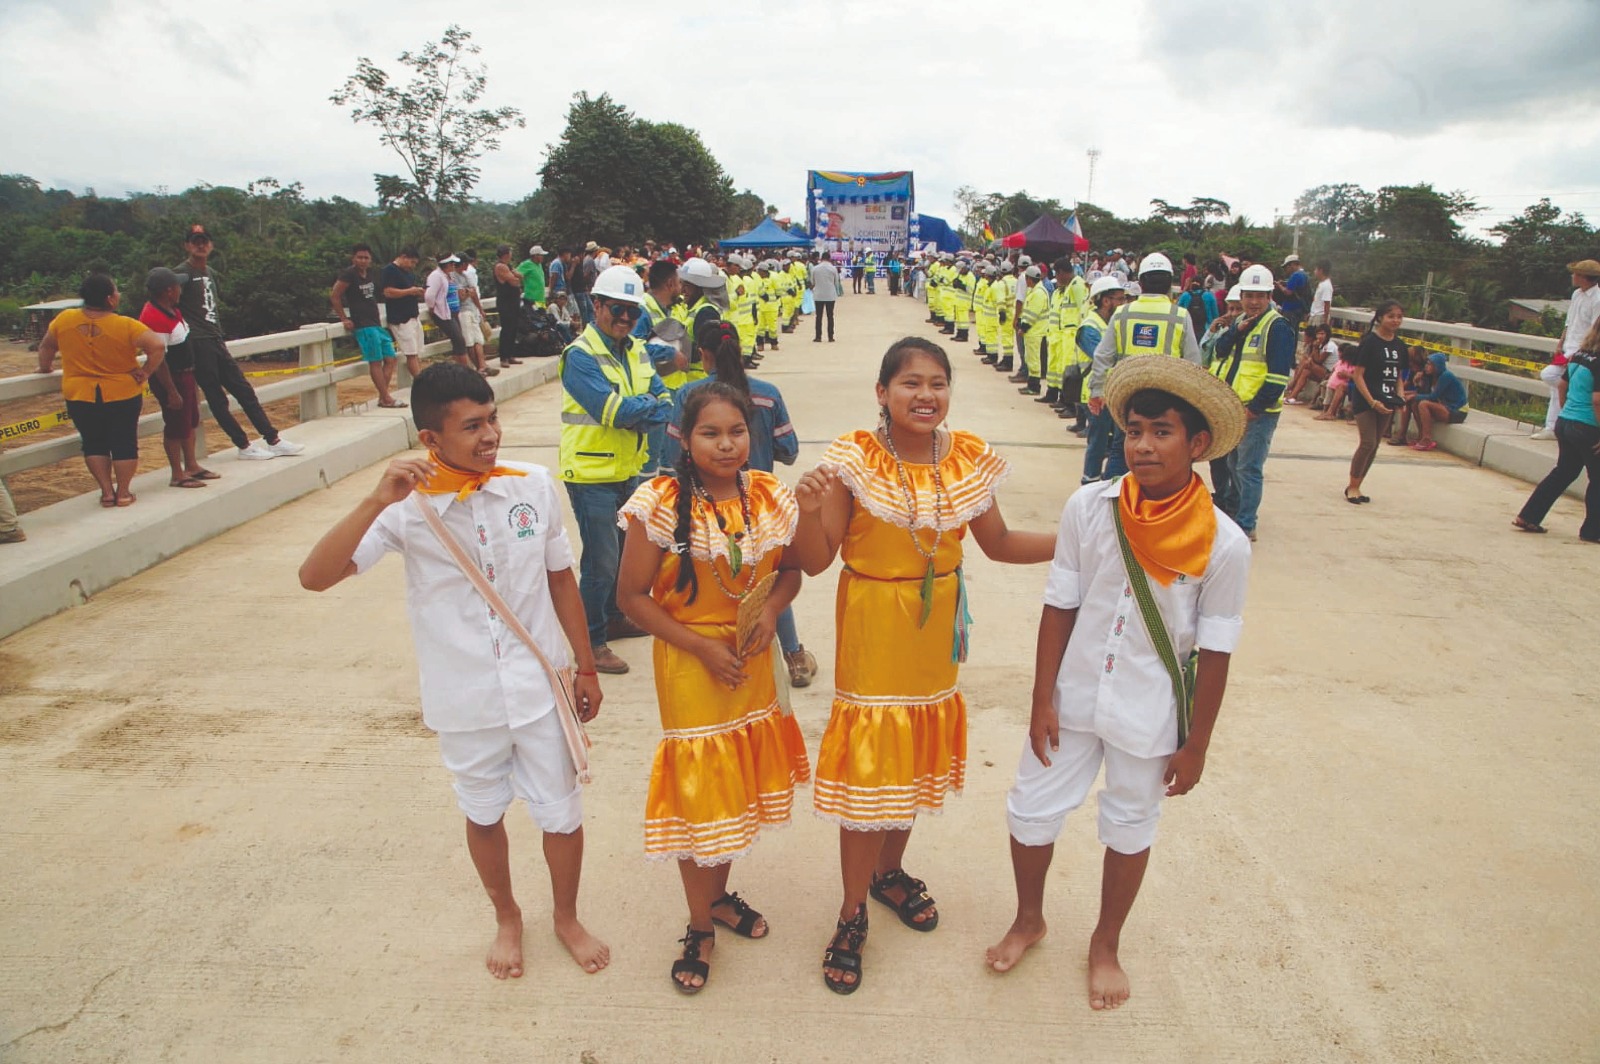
point(862, 211)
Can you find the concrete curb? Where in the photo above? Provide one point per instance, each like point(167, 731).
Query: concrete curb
point(76, 548)
point(1502, 445)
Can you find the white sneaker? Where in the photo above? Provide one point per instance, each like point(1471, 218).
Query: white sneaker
point(258, 451)
point(284, 447)
point(1543, 434)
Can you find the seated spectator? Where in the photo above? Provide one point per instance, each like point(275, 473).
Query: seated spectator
point(1339, 384)
point(561, 314)
point(1412, 380)
point(1444, 402)
point(1318, 359)
point(103, 382)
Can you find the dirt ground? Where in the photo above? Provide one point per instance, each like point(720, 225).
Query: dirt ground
point(34, 488)
point(228, 837)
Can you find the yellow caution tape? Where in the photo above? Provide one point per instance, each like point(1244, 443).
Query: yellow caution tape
point(301, 369)
point(1460, 352)
point(27, 427)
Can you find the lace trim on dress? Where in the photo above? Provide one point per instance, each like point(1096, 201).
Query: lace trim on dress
point(775, 518)
point(968, 496)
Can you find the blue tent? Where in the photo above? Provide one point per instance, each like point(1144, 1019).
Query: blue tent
point(938, 231)
point(769, 234)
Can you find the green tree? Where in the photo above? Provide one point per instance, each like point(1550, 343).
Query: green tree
point(433, 123)
point(1536, 246)
point(1343, 208)
point(1418, 212)
point(618, 179)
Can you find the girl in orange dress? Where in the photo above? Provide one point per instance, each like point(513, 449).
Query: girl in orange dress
point(896, 504)
point(697, 545)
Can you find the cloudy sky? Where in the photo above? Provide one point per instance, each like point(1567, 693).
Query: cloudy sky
point(1249, 106)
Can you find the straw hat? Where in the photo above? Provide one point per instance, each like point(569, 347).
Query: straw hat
point(1223, 411)
point(1587, 267)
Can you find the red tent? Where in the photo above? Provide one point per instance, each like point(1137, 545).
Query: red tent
point(1044, 238)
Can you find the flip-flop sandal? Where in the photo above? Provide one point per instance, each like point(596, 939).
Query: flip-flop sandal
point(204, 474)
point(187, 482)
point(129, 501)
point(846, 956)
point(690, 962)
point(1528, 526)
point(914, 900)
point(109, 502)
point(1425, 445)
point(396, 405)
point(748, 917)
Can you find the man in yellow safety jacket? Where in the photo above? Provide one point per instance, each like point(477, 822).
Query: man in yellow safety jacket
point(1255, 356)
point(611, 398)
point(1152, 324)
point(704, 292)
point(741, 306)
point(1067, 304)
point(983, 311)
point(767, 297)
point(1035, 324)
point(961, 288)
point(1003, 294)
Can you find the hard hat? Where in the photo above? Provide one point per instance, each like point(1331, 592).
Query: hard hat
point(1104, 285)
point(1133, 290)
point(1033, 273)
point(1257, 278)
point(1005, 267)
point(619, 282)
point(699, 272)
point(1232, 296)
point(1024, 261)
point(1155, 262)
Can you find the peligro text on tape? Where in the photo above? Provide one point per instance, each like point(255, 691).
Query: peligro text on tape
point(29, 426)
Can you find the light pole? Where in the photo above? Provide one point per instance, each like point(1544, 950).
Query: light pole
point(1094, 158)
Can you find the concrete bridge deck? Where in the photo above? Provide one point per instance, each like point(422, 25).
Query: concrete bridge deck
point(227, 836)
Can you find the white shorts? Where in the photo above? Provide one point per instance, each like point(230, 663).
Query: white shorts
point(1130, 803)
point(408, 337)
point(494, 765)
point(471, 325)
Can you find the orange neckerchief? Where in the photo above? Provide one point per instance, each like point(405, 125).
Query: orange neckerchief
point(448, 480)
point(1172, 535)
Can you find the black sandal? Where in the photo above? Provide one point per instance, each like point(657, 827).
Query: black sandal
point(748, 917)
point(846, 956)
point(691, 962)
point(916, 898)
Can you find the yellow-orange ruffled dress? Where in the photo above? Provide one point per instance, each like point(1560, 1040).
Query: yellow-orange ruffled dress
point(896, 741)
point(728, 761)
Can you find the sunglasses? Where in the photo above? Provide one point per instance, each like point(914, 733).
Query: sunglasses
point(623, 310)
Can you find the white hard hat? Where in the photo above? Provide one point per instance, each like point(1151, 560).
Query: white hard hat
point(1232, 296)
point(1133, 290)
point(1033, 273)
point(1257, 278)
point(1023, 262)
point(699, 272)
point(1005, 267)
point(1155, 262)
point(619, 282)
point(1104, 285)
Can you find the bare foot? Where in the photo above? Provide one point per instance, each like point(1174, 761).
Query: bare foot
point(1108, 983)
point(505, 954)
point(590, 953)
point(1004, 955)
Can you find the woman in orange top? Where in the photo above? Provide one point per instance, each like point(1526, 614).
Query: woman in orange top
point(103, 383)
point(896, 503)
point(697, 546)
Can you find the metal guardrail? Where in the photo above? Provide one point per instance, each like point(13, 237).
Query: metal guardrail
point(316, 387)
point(1464, 344)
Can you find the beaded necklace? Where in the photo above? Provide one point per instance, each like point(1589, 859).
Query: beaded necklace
point(911, 506)
point(735, 552)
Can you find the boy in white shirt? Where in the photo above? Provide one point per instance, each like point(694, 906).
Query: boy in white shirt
point(483, 691)
point(1102, 690)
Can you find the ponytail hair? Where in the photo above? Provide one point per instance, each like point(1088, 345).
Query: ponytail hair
point(695, 400)
point(720, 348)
point(1383, 308)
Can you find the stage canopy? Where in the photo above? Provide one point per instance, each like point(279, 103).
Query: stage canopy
point(937, 231)
point(769, 234)
point(1046, 238)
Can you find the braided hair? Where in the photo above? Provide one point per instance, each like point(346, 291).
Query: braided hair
point(720, 349)
point(695, 400)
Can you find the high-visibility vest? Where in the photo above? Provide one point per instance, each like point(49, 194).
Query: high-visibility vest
point(1090, 317)
point(601, 451)
point(1068, 313)
point(1245, 369)
point(1036, 308)
point(980, 297)
point(1005, 297)
point(1150, 325)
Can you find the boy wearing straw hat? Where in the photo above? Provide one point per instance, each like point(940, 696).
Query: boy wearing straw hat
point(1144, 553)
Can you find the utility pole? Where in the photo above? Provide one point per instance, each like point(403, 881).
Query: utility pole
point(1427, 295)
point(1094, 158)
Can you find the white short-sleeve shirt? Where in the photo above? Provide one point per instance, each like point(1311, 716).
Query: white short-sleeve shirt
point(1581, 315)
point(1322, 301)
point(1111, 681)
point(475, 673)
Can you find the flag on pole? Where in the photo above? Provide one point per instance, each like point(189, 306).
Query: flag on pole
point(1079, 243)
point(988, 231)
